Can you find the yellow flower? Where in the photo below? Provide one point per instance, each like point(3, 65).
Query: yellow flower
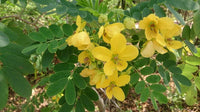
point(80, 40)
point(96, 76)
point(110, 30)
point(113, 84)
point(150, 25)
point(117, 57)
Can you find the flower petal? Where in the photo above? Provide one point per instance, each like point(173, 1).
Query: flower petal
point(109, 68)
point(118, 43)
point(87, 72)
point(102, 53)
point(101, 30)
point(114, 28)
point(148, 49)
point(123, 80)
point(165, 23)
point(118, 93)
point(109, 92)
point(174, 44)
point(121, 65)
point(151, 34)
point(129, 53)
point(159, 48)
point(161, 40)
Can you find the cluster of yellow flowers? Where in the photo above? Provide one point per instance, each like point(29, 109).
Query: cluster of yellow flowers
point(105, 67)
point(159, 33)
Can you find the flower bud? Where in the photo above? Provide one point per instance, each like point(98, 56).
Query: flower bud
point(129, 22)
point(102, 18)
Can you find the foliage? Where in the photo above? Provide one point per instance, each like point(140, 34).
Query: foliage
point(102, 48)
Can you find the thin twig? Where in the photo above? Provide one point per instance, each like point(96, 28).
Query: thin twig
point(100, 102)
point(19, 18)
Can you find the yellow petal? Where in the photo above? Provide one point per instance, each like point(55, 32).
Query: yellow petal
point(114, 28)
point(118, 93)
point(150, 34)
point(106, 38)
point(84, 57)
point(78, 20)
point(121, 65)
point(174, 44)
point(109, 92)
point(101, 30)
point(87, 72)
point(118, 43)
point(109, 68)
point(123, 80)
point(113, 77)
point(165, 23)
point(143, 24)
point(161, 40)
point(129, 53)
point(148, 49)
point(104, 84)
point(159, 48)
point(102, 53)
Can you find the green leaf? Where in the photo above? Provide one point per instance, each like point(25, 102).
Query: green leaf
point(37, 36)
point(184, 4)
point(18, 63)
point(160, 97)
point(191, 96)
point(153, 78)
point(62, 100)
point(193, 60)
point(61, 9)
point(196, 24)
point(154, 102)
point(64, 55)
point(87, 103)
point(70, 93)
point(56, 31)
point(139, 87)
point(43, 81)
point(17, 81)
point(47, 58)
point(66, 108)
point(153, 65)
point(183, 79)
point(30, 48)
point(158, 87)
point(4, 91)
point(79, 81)
point(146, 12)
point(177, 84)
point(42, 48)
point(175, 70)
point(188, 70)
point(46, 32)
point(141, 62)
point(147, 70)
point(53, 46)
point(79, 107)
point(59, 75)
point(191, 46)
point(4, 41)
point(145, 94)
point(68, 30)
point(197, 82)
point(56, 87)
point(159, 11)
point(176, 14)
point(134, 78)
point(162, 57)
point(63, 67)
point(91, 93)
point(62, 44)
point(186, 32)
point(169, 63)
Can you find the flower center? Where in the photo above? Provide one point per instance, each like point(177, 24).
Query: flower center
point(153, 27)
point(87, 60)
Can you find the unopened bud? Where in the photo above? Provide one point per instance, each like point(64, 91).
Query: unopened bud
point(129, 22)
point(102, 18)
